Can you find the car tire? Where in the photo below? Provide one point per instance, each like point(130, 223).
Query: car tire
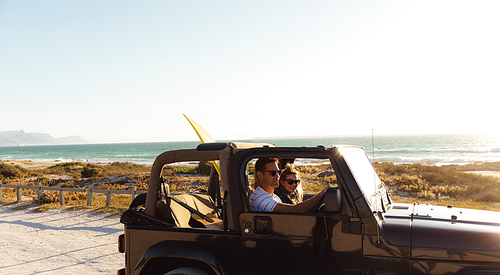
point(186, 271)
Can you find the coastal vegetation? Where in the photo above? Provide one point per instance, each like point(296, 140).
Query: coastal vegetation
point(466, 186)
point(460, 185)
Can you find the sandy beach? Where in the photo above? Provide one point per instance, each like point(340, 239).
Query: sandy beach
point(29, 164)
point(58, 242)
point(486, 173)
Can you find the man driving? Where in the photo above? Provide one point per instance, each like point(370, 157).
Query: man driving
point(267, 175)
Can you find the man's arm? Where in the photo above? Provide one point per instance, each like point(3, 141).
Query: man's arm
point(305, 206)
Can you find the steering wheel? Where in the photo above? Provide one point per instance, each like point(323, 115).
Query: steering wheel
point(320, 204)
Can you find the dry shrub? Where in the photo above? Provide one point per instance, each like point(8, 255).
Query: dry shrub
point(48, 197)
point(53, 197)
point(142, 183)
point(489, 197)
point(204, 167)
point(428, 181)
point(111, 186)
point(123, 168)
point(75, 196)
point(90, 171)
point(410, 183)
point(75, 169)
point(331, 180)
point(394, 169)
point(8, 172)
point(448, 190)
point(66, 168)
point(308, 169)
point(426, 194)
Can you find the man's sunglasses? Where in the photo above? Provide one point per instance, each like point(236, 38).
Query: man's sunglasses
point(290, 182)
point(274, 172)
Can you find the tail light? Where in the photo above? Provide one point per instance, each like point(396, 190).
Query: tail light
point(121, 243)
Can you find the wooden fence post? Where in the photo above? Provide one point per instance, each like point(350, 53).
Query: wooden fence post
point(134, 191)
point(39, 190)
point(89, 195)
point(61, 190)
point(18, 194)
point(61, 197)
point(108, 198)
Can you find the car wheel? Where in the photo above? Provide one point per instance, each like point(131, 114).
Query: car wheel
point(186, 271)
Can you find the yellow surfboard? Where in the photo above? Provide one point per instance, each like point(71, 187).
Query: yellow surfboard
point(204, 138)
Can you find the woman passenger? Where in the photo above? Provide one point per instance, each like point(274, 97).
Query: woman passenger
point(289, 189)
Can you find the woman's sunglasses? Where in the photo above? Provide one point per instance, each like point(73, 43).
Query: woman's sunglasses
point(290, 182)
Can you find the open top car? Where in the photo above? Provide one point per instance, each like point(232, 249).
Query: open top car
point(354, 229)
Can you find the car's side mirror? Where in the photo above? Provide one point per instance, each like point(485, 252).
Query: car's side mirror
point(333, 200)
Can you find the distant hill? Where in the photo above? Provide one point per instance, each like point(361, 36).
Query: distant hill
point(12, 138)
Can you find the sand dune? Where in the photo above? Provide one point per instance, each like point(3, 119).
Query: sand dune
point(58, 242)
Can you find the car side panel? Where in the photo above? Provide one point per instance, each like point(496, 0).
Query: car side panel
point(311, 244)
point(223, 245)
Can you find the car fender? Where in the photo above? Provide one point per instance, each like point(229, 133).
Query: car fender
point(176, 254)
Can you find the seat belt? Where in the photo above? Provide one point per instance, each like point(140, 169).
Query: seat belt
point(192, 210)
point(166, 192)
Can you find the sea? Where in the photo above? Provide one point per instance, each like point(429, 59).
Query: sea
point(436, 149)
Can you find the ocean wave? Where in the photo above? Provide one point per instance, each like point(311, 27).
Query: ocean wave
point(438, 150)
point(445, 160)
point(399, 149)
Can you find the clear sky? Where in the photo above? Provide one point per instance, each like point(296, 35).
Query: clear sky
point(126, 71)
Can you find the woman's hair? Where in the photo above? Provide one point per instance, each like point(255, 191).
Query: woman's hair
point(297, 195)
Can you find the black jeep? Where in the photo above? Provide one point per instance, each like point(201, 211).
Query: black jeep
point(356, 229)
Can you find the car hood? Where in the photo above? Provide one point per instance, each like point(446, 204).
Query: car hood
point(428, 229)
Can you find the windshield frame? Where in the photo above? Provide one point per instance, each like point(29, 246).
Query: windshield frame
point(372, 188)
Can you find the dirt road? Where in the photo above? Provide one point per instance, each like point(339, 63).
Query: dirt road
point(58, 242)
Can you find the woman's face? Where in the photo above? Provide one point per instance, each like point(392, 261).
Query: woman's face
point(290, 188)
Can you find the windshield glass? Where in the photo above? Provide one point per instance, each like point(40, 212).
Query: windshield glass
point(366, 177)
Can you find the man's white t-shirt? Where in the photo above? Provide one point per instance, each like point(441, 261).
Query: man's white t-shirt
point(260, 200)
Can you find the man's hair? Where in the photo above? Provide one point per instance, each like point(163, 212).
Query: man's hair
point(260, 165)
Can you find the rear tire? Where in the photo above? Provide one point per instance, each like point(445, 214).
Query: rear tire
point(186, 271)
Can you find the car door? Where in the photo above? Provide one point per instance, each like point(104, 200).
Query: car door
point(291, 243)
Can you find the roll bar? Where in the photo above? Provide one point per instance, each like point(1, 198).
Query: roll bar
point(168, 157)
point(204, 152)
